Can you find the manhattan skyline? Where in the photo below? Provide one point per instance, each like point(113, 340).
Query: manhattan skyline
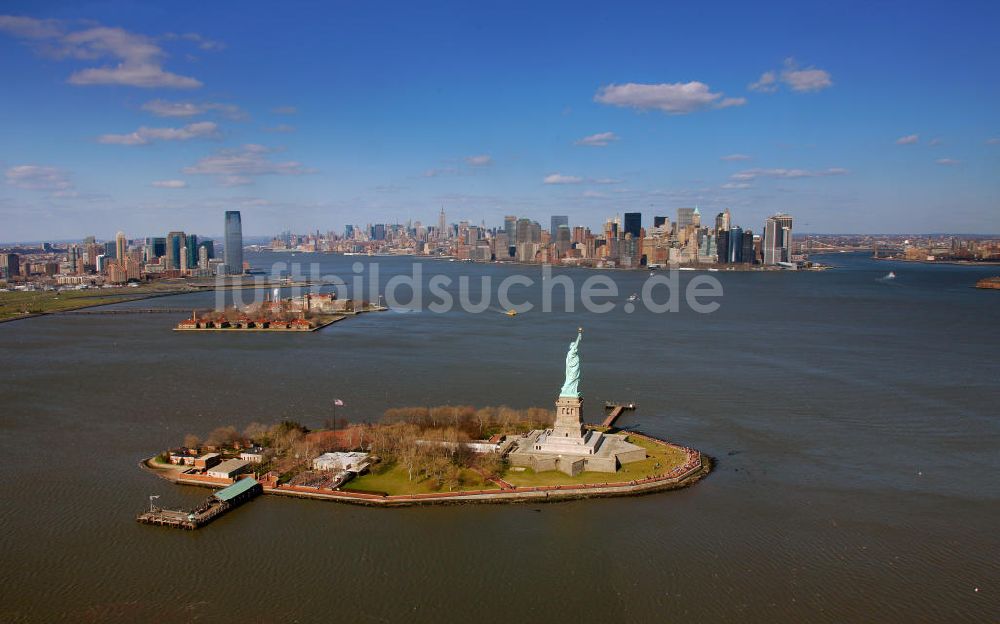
point(131, 117)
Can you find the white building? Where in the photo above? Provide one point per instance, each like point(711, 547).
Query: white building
point(348, 462)
point(255, 455)
point(228, 469)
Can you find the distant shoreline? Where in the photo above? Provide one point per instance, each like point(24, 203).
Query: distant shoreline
point(140, 296)
point(969, 263)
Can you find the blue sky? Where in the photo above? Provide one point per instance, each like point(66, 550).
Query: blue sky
point(853, 117)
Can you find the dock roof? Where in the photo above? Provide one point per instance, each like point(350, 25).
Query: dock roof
point(234, 490)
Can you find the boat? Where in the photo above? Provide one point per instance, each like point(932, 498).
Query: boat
point(891, 275)
point(633, 297)
point(511, 312)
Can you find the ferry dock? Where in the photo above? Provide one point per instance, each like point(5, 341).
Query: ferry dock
point(218, 503)
point(616, 410)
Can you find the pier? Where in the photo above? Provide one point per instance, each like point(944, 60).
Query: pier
point(616, 411)
point(211, 508)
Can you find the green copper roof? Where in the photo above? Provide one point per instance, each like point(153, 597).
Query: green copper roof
point(234, 490)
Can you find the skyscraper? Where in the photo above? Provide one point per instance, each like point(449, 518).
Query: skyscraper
point(120, 245)
point(209, 245)
point(175, 241)
point(748, 250)
point(735, 247)
point(633, 223)
point(685, 217)
point(722, 221)
point(778, 239)
point(233, 252)
point(510, 226)
point(192, 251)
point(10, 265)
point(442, 225)
point(557, 220)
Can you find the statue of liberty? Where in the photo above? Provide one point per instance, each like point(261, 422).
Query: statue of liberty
point(571, 385)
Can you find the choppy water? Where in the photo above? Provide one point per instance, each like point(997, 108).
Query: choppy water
point(854, 422)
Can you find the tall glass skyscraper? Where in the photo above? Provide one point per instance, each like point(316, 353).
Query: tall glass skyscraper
point(557, 220)
point(175, 240)
point(233, 252)
point(633, 223)
point(778, 239)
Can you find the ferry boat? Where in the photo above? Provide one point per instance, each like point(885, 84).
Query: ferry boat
point(511, 312)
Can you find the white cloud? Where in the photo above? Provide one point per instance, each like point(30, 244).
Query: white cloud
point(38, 178)
point(676, 98)
point(285, 110)
point(558, 178)
point(236, 167)
point(909, 139)
point(137, 60)
point(280, 128)
point(443, 171)
point(736, 185)
point(29, 27)
point(767, 83)
point(606, 181)
point(810, 79)
point(801, 79)
point(600, 139)
point(203, 42)
point(593, 194)
point(752, 174)
point(993, 141)
point(735, 157)
point(145, 136)
point(948, 162)
point(164, 108)
point(169, 184)
point(482, 160)
point(935, 142)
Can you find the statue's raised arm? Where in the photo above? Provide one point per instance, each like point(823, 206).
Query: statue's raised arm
point(571, 386)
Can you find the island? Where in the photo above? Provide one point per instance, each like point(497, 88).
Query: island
point(309, 312)
point(423, 455)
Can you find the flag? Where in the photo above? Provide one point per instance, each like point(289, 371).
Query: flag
point(338, 402)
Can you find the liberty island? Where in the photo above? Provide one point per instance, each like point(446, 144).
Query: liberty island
point(401, 463)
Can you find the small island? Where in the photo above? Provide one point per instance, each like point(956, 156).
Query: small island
point(444, 454)
point(308, 312)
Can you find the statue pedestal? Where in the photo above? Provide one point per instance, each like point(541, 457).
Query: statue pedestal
point(569, 418)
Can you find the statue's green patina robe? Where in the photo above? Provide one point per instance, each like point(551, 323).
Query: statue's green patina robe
point(571, 387)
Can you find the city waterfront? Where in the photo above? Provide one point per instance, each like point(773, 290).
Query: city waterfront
point(851, 419)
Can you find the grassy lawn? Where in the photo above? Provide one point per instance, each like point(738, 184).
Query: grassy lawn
point(394, 480)
point(18, 303)
point(666, 457)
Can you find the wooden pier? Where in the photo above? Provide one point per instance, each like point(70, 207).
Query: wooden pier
point(616, 411)
point(211, 508)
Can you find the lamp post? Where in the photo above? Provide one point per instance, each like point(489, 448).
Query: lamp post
point(151, 502)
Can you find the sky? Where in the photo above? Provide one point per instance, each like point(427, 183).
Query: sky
point(867, 117)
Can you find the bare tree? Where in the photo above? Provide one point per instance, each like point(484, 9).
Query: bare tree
point(256, 433)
